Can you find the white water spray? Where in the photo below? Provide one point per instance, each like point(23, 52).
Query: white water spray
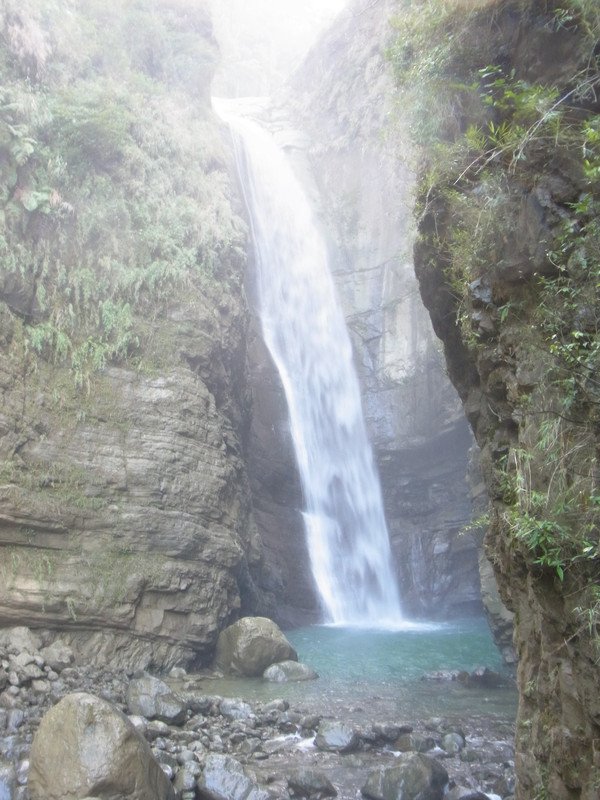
point(305, 331)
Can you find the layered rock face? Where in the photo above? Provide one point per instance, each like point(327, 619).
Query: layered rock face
point(276, 492)
point(342, 99)
point(125, 515)
point(128, 528)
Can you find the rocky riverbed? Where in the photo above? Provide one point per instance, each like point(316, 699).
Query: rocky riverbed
point(223, 748)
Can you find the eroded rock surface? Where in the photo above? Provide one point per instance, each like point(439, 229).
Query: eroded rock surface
point(252, 644)
point(84, 747)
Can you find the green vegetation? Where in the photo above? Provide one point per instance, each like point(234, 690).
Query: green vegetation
point(521, 249)
point(113, 198)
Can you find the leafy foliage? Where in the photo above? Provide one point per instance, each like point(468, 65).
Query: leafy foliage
point(113, 204)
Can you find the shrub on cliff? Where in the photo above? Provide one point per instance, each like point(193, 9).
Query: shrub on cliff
point(115, 204)
point(509, 263)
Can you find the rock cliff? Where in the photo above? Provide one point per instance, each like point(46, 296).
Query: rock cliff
point(125, 513)
point(507, 262)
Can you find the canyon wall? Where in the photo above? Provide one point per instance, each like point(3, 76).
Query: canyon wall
point(507, 262)
point(125, 509)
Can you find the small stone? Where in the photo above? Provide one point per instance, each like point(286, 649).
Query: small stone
point(310, 722)
point(289, 671)
point(203, 704)
point(235, 709)
point(184, 756)
point(185, 779)
point(390, 732)
point(336, 737)
point(156, 728)
point(177, 673)
point(22, 659)
point(224, 778)
point(453, 743)
point(16, 717)
point(18, 639)
point(276, 705)
point(58, 656)
point(41, 687)
point(415, 777)
point(23, 772)
point(151, 698)
point(139, 723)
point(311, 783)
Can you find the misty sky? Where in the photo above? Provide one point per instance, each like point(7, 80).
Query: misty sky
point(262, 40)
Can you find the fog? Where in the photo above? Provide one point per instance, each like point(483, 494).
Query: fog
point(261, 41)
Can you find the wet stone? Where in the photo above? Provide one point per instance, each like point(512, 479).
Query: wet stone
point(310, 783)
point(453, 743)
point(411, 742)
point(223, 778)
point(415, 777)
point(337, 737)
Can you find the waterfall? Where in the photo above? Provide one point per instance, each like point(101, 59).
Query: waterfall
point(305, 331)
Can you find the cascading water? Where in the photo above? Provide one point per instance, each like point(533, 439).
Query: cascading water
point(304, 329)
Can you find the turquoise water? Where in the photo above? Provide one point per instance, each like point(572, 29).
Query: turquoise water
point(346, 654)
point(375, 674)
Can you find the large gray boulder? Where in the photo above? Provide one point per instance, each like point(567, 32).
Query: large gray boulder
point(289, 671)
point(250, 645)
point(85, 747)
point(414, 777)
point(224, 778)
point(151, 698)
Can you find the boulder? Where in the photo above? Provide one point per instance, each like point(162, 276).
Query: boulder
point(84, 747)
point(415, 777)
point(288, 671)
point(336, 737)
point(151, 698)
point(16, 640)
point(58, 656)
point(234, 708)
point(311, 783)
point(224, 778)
point(250, 645)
